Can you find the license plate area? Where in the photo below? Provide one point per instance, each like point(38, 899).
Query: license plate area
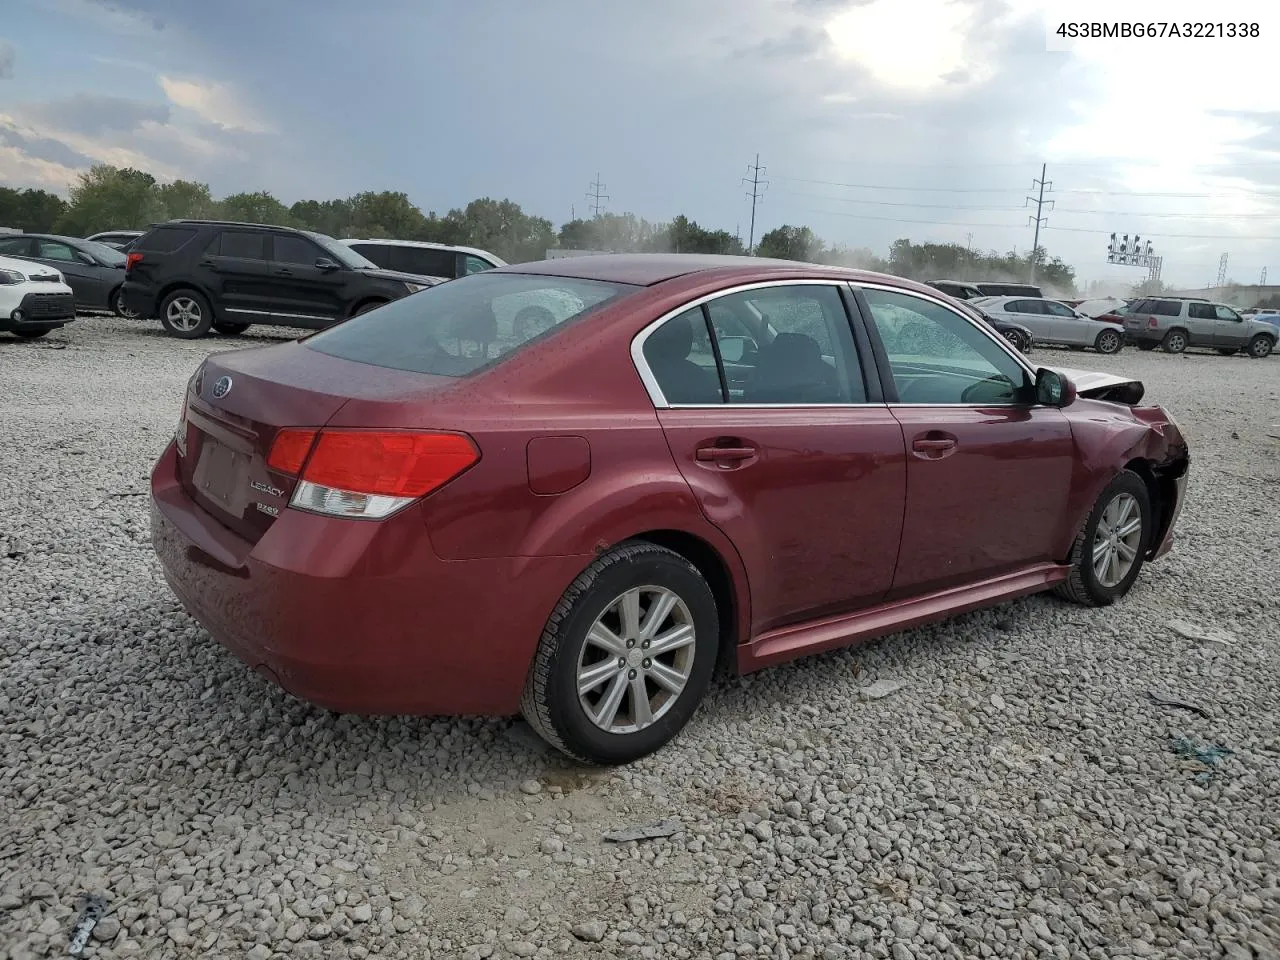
point(218, 475)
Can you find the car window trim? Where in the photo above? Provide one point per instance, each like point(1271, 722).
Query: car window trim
point(263, 235)
point(882, 356)
point(655, 391)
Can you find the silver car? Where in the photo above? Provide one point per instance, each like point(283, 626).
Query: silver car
point(1174, 324)
point(1051, 321)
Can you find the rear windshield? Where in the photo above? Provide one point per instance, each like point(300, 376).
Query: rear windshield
point(164, 239)
point(458, 327)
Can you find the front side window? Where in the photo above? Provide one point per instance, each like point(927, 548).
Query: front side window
point(53, 250)
point(1059, 309)
point(1225, 313)
point(476, 265)
point(15, 246)
point(286, 248)
point(456, 328)
point(1025, 306)
point(939, 357)
point(1201, 311)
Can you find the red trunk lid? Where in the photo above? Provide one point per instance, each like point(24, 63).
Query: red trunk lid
point(242, 398)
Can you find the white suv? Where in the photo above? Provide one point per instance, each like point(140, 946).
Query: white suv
point(426, 259)
point(34, 298)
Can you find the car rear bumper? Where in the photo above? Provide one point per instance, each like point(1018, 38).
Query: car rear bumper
point(355, 616)
point(138, 299)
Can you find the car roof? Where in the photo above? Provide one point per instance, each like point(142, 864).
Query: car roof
point(52, 236)
point(233, 223)
point(648, 269)
point(423, 244)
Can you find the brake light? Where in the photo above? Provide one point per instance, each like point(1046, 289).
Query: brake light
point(130, 259)
point(289, 450)
point(1152, 323)
point(371, 473)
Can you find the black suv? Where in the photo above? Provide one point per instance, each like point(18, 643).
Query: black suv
point(197, 275)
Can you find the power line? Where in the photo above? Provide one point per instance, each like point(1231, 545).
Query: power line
point(1088, 191)
point(1039, 219)
point(758, 187)
point(595, 196)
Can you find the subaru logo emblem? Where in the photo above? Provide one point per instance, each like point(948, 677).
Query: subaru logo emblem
point(221, 387)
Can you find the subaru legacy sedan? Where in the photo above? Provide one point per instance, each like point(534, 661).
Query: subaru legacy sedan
point(574, 488)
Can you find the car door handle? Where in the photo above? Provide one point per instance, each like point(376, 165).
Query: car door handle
point(933, 445)
point(725, 455)
point(282, 272)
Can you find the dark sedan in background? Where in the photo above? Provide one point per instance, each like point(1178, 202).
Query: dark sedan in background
point(94, 271)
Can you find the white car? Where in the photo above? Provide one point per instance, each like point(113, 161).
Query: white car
point(1052, 321)
point(34, 298)
point(426, 259)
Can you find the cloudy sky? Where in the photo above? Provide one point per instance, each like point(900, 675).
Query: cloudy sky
point(876, 119)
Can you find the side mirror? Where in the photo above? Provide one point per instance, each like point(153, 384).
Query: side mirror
point(736, 349)
point(327, 265)
point(84, 258)
point(1053, 389)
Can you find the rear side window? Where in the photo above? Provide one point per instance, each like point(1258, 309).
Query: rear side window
point(456, 328)
point(377, 252)
point(1166, 308)
point(1201, 311)
point(164, 239)
point(424, 261)
point(241, 244)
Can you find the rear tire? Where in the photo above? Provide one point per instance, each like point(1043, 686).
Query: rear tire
point(1261, 346)
point(231, 329)
point(592, 656)
point(1109, 341)
point(1175, 341)
point(1092, 580)
point(186, 314)
point(118, 307)
point(30, 334)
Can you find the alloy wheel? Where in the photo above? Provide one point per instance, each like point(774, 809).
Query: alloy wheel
point(1117, 540)
point(637, 659)
point(183, 314)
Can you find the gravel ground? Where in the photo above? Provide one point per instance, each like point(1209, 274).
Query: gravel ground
point(998, 786)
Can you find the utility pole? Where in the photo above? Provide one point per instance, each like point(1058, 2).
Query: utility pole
point(755, 193)
point(968, 252)
point(1222, 271)
point(1039, 219)
point(595, 196)
point(1263, 281)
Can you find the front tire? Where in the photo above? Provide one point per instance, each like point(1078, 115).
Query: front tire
point(626, 657)
point(1109, 341)
point(1175, 341)
point(1109, 551)
point(1260, 346)
point(30, 334)
point(366, 307)
point(186, 314)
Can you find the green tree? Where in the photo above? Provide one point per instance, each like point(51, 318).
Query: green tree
point(384, 214)
point(33, 211)
point(331, 217)
point(256, 207)
point(502, 227)
point(790, 243)
point(683, 235)
point(186, 199)
point(107, 197)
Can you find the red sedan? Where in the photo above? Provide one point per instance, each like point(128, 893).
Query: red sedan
point(572, 488)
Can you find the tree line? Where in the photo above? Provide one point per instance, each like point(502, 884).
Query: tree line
point(107, 197)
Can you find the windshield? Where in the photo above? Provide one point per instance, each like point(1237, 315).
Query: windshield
point(342, 253)
point(108, 255)
point(458, 327)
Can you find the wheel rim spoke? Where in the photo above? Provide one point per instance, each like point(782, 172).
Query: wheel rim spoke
point(657, 615)
point(601, 636)
point(641, 710)
point(629, 610)
point(1127, 553)
point(607, 711)
point(674, 639)
point(667, 677)
point(592, 677)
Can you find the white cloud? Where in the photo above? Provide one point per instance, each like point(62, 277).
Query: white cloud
point(20, 169)
point(212, 102)
point(908, 45)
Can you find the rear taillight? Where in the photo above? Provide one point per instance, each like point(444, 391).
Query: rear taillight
point(1152, 323)
point(130, 260)
point(368, 474)
point(180, 435)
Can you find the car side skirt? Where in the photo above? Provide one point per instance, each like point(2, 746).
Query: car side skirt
point(798, 640)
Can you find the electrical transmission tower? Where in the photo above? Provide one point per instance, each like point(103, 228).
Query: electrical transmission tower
point(1039, 219)
point(1222, 271)
point(755, 193)
point(596, 196)
point(1263, 281)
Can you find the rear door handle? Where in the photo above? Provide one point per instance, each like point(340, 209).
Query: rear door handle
point(933, 445)
point(282, 272)
point(725, 455)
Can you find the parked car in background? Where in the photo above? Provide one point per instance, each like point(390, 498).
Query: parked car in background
point(93, 270)
point(1052, 321)
point(958, 289)
point(1100, 308)
point(339, 510)
point(426, 259)
point(34, 299)
point(120, 239)
point(1009, 289)
point(1017, 334)
point(1176, 324)
point(1267, 315)
point(198, 275)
